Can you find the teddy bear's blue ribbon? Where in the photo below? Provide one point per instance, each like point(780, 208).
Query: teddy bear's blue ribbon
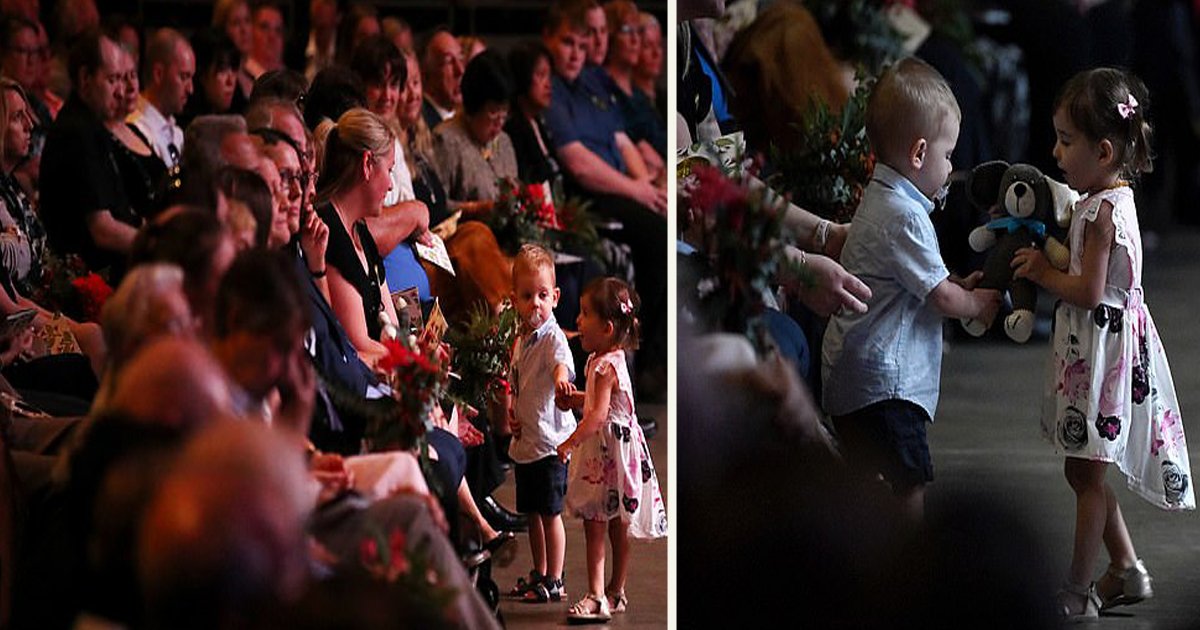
point(1012, 224)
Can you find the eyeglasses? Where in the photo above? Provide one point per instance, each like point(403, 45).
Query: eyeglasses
point(290, 176)
point(630, 29)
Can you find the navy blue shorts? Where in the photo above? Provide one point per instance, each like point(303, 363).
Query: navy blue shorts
point(887, 438)
point(541, 486)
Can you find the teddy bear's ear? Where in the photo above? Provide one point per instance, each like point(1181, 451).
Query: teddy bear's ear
point(983, 184)
point(1064, 201)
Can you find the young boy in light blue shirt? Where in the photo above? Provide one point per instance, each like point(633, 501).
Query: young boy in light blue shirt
point(541, 368)
point(881, 369)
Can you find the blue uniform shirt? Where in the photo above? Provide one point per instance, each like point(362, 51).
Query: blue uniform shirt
point(584, 111)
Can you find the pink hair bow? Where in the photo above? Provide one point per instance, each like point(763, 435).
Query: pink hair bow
point(626, 306)
point(1127, 108)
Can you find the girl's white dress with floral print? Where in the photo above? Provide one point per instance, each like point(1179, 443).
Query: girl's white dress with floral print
point(1110, 396)
point(611, 475)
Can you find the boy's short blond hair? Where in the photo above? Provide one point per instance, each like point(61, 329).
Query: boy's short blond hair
point(533, 257)
point(910, 100)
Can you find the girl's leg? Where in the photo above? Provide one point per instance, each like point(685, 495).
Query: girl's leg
point(556, 544)
point(618, 536)
point(594, 533)
point(537, 543)
point(1091, 515)
point(1117, 542)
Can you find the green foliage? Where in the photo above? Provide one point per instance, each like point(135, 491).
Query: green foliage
point(826, 174)
point(482, 352)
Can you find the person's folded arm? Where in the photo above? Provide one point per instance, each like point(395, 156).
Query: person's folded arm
point(110, 234)
point(635, 165)
point(598, 176)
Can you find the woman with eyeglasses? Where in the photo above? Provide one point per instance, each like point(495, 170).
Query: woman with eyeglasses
point(471, 151)
point(642, 123)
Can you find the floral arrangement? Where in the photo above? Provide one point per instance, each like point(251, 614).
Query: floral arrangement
point(740, 228)
point(418, 373)
point(68, 286)
point(521, 214)
point(386, 557)
point(482, 352)
point(827, 174)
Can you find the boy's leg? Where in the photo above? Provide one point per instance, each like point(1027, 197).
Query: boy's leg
point(537, 543)
point(556, 544)
point(912, 504)
point(618, 536)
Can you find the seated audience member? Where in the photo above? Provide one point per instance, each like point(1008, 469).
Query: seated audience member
point(248, 189)
point(599, 158)
point(596, 34)
point(333, 91)
point(223, 538)
point(143, 174)
point(651, 63)
point(360, 23)
point(232, 17)
point(258, 338)
point(321, 45)
point(383, 71)
point(526, 128)
point(442, 67)
point(202, 158)
point(149, 304)
point(167, 85)
point(267, 37)
point(198, 244)
point(283, 84)
point(399, 32)
point(215, 81)
point(20, 60)
point(354, 179)
point(84, 204)
point(642, 122)
point(471, 150)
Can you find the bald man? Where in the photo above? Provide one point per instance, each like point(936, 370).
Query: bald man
point(167, 76)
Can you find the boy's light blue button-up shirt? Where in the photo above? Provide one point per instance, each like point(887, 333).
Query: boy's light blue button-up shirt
point(894, 350)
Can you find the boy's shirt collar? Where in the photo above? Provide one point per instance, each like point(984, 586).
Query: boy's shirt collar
point(892, 178)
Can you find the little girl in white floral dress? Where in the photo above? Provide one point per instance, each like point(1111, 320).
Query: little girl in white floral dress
point(1109, 394)
point(611, 483)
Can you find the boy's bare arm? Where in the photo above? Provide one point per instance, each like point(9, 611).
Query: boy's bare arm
point(952, 300)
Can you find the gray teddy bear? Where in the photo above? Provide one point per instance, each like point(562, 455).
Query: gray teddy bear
point(1028, 200)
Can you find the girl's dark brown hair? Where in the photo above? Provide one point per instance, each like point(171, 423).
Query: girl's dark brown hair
point(1114, 105)
point(614, 301)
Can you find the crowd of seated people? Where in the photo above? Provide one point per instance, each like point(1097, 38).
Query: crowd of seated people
point(245, 202)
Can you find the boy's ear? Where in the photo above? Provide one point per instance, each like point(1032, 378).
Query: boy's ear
point(916, 153)
point(557, 295)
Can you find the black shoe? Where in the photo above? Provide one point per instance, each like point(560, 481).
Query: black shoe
point(502, 519)
point(649, 426)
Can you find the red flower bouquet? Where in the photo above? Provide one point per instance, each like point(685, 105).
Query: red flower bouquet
point(420, 589)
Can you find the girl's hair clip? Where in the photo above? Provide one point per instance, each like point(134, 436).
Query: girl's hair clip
point(626, 305)
point(1128, 108)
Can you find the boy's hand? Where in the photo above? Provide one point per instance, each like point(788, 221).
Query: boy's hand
point(968, 283)
point(1031, 263)
point(562, 394)
point(989, 304)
